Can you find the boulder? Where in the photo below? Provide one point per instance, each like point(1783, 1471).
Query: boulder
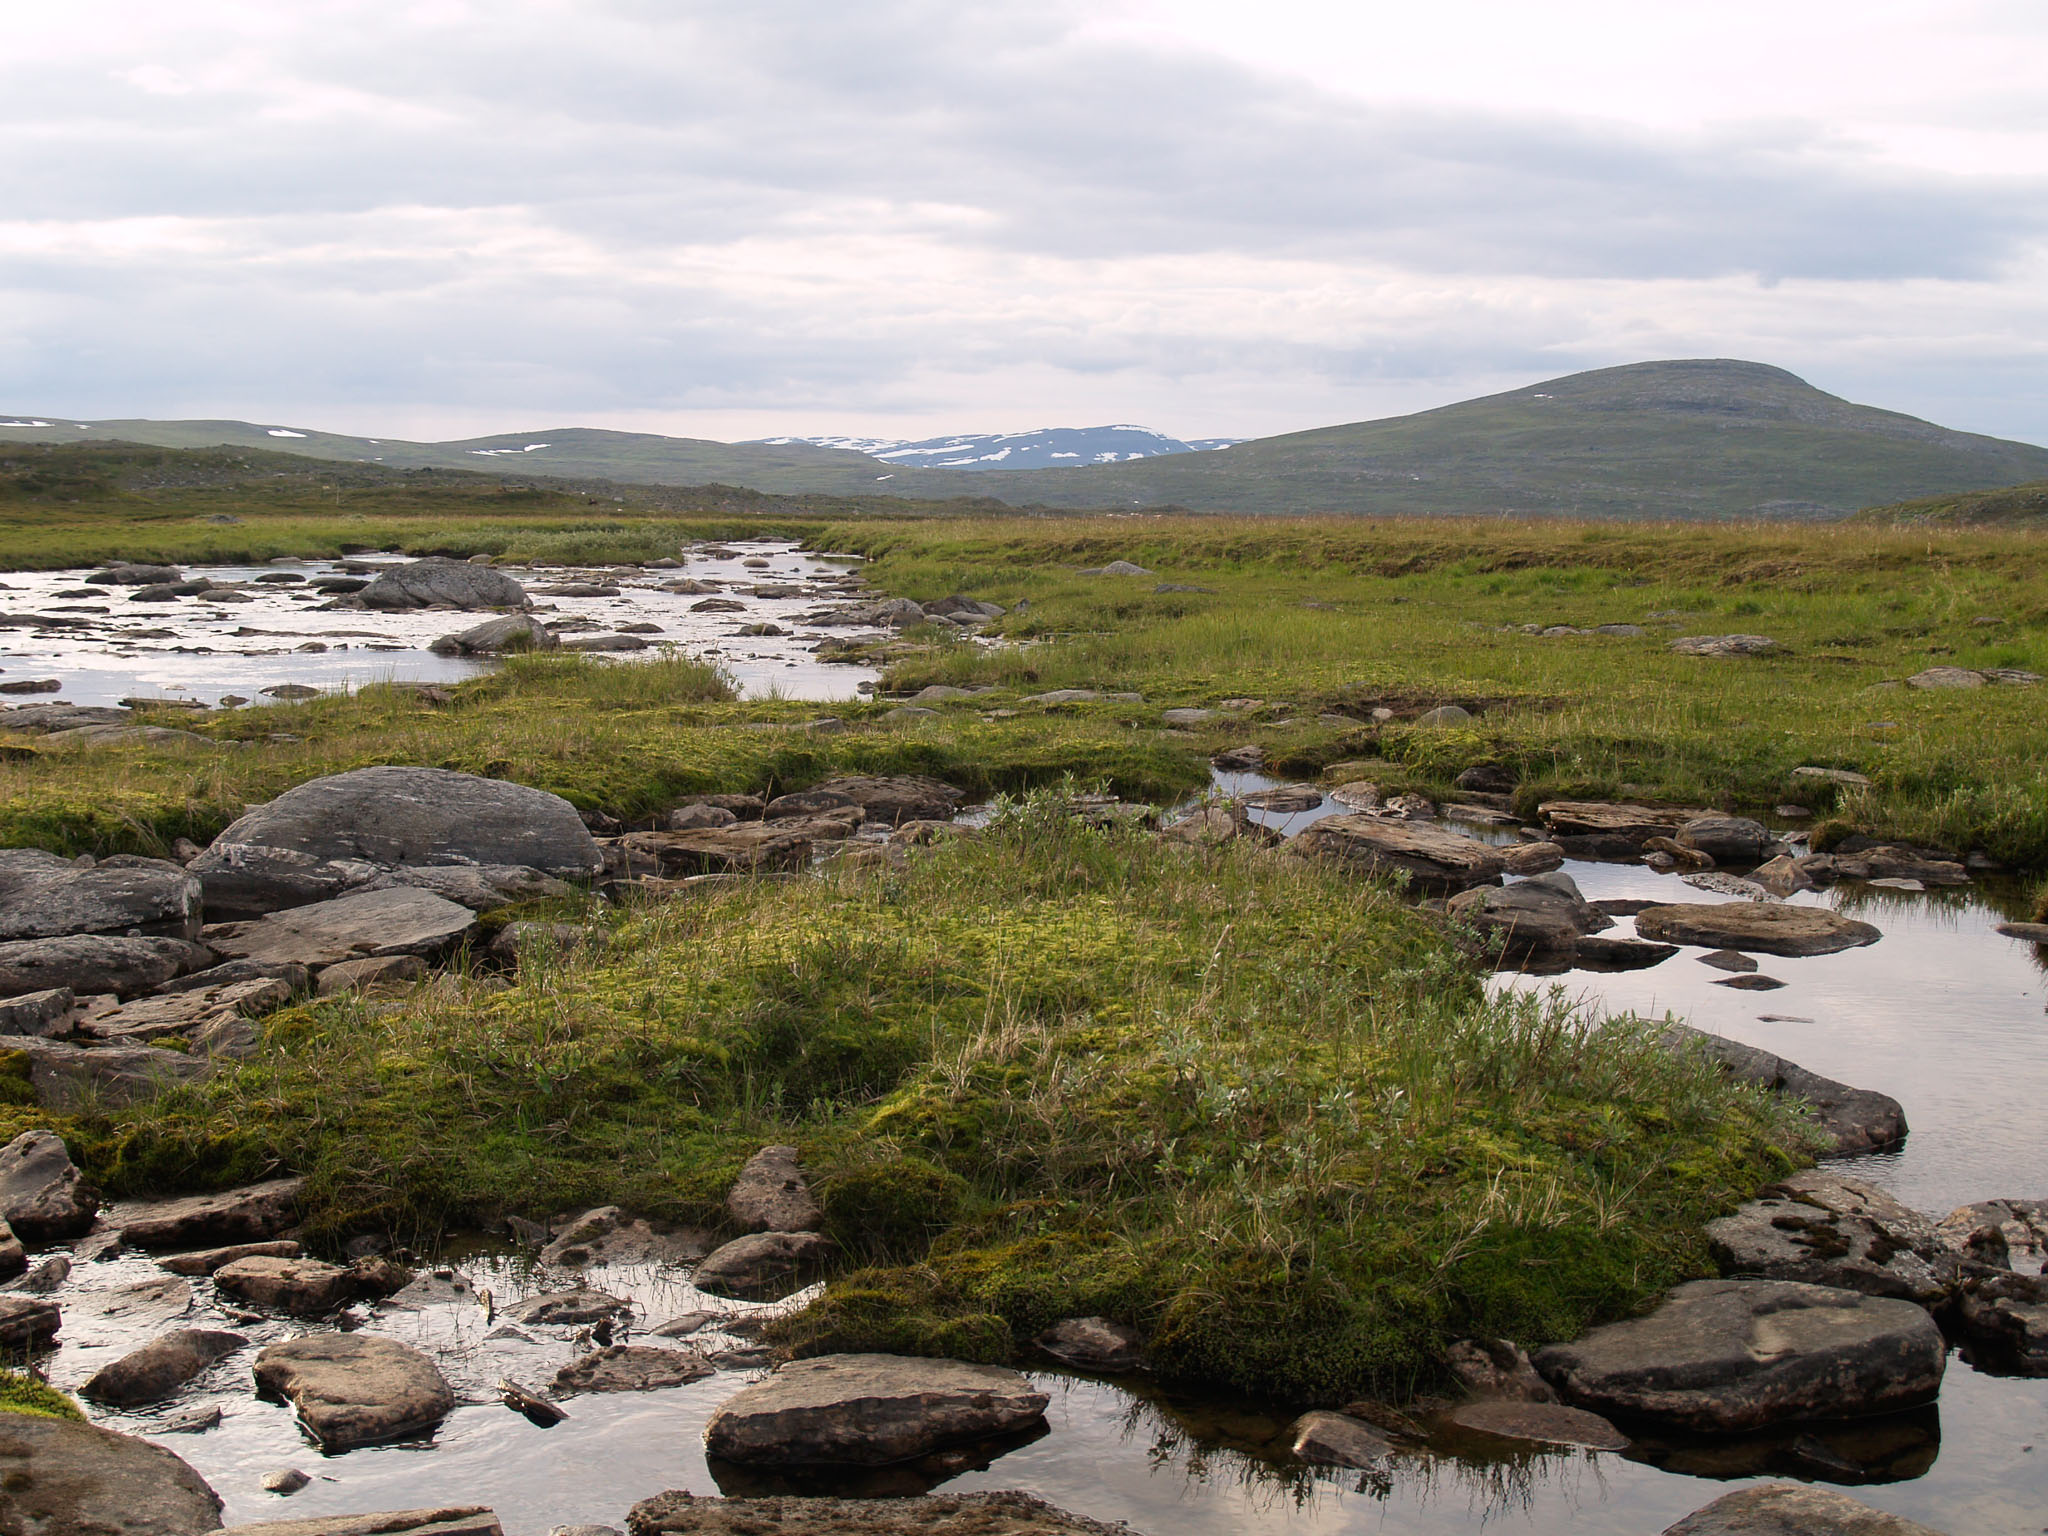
point(398, 921)
point(607, 1235)
point(1530, 916)
point(1327, 1439)
point(1946, 677)
point(1094, 1344)
point(869, 1410)
point(572, 1308)
point(1540, 1423)
point(1626, 821)
point(27, 1323)
point(1726, 1356)
point(1531, 858)
point(58, 1478)
point(160, 1367)
point(631, 1368)
point(1767, 927)
point(333, 834)
point(1725, 839)
point(1828, 1229)
point(1855, 1120)
point(207, 1260)
point(1436, 861)
point(1724, 645)
point(771, 1194)
point(2004, 1234)
point(436, 582)
point(67, 1076)
point(43, 1196)
point(353, 1389)
point(88, 964)
point(251, 1214)
point(763, 1266)
point(680, 1513)
point(128, 573)
point(296, 1287)
point(1792, 1509)
point(42, 1013)
point(897, 798)
point(43, 896)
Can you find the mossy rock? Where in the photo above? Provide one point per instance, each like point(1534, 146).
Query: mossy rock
point(24, 1394)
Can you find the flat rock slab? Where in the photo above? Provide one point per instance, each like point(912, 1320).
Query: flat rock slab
point(89, 964)
point(1767, 927)
point(1435, 860)
point(679, 1513)
point(188, 1010)
point(1827, 1229)
point(1542, 1423)
point(569, 1308)
point(400, 921)
point(160, 1367)
point(333, 834)
point(297, 1287)
point(43, 1196)
point(1725, 1356)
point(207, 1260)
point(1855, 1120)
point(436, 1520)
point(1623, 819)
point(763, 1266)
point(869, 1410)
point(251, 1214)
point(353, 1389)
point(1793, 1509)
point(772, 1195)
point(631, 1368)
point(63, 1479)
point(43, 896)
point(897, 798)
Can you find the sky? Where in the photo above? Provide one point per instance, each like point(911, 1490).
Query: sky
point(440, 218)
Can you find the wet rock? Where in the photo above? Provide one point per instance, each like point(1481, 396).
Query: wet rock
point(436, 582)
point(58, 1478)
point(1541, 1423)
point(763, 1266)
point(1768, 927)
point(1094, 1344)
point(631, 1368)
point(1724, 1356)
point(160, 1367)
point(1530, 916)
point(1630, 823)
point(43, 1196)
point(1497, 1368)
point(1531, 858)
point(2005, 1316)
point(2033, 933)
point(569, 1308)
point(2005, 1234)
point(1436, 861)
point(207, 1260)
point(1825, 1228)
point(869, 1410)
point(92, 963)
point(251, 1214)
point(285, 1481)
point(297, 1287)
point(608, 1235)
point(1792, 1509)
point(13, 1256)
point(771, 1194)
point(43, 1013)
point(435, 1520)
point(1724, 645)
point(43, 896)
point(45, 1277)
point(334, 834)
point(679, 1513)
point(27, 1323)
point(353, 1389)
point(1726, 839)
point(1327, 1439)
point(67, 1076)
point(1729, 960)
point(400, 921)
point(1856, 1120)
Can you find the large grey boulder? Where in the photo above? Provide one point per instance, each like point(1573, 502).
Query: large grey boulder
point(58, 1478)
point(763, 1266)
point(43, 1196)
point(353, 1389)
point(497, 637)
point(334, 834)
point(67, 1076)
point(1725, 1356)
point(441, 583)
point(1828, 1229)
point(772, 1195)
point(1530, 916)
point(1434, 860)
point(1793, 1509)
point(399, 921)
point(869, 1410)
point(1725, 839)
point(1761, 927)
point(160, 1367)
point(1854, 1120)
point(87, 964)
point(43, 896)
point(250, 1214)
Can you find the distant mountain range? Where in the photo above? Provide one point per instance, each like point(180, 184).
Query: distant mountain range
point(1703, 438)
point(1046, 448)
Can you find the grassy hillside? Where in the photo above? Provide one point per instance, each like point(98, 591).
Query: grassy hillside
point(2019, 506)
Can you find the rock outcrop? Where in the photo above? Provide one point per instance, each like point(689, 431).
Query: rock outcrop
point(43, 896)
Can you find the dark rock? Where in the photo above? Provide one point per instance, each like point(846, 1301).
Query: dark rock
point(1487, 779)
point(355, 1389)
point(2005, 1316)
point(160, 1367)
point(497, 637)
point(42, 1013)
point(363, 924)
point(13, 1256)
point(1725, 839)
point(1436, 861)
point(88, 964)
point(569, 1308)
point(1827, 1229)
point(27, 1323)
point(1598, 954)
point(2005, 1234)
point(1856, 1119)
point(297, 1287)
point(1531, 858)
point(869, 1410)
point(1497, 1368)
point(58, 1478)
point(1768, 927)
point(763, 1266)
point(1729, 960)
point(1094, 1344)
point(631, 1368)
point(771, 1194)
point(1724, 1356)
point(251, 1214)
point(1243, 759)
point(1529, 916)
point(1543, 1423)
point(1792, 1509)
point(1751, 983)
point(1327, 1439)
point(334, 834)
point(1286, 799)
point(43, 1196)
point(440, 583)
point(207, 1260)
point(43, 896)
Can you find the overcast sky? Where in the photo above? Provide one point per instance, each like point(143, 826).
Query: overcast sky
point(435, 218)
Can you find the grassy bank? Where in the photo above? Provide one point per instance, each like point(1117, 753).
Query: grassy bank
point(1252, 1105)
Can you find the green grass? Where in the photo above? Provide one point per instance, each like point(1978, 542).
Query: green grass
point(1250, 1104)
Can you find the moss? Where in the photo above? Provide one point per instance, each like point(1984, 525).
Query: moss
point(891, 1208)
point(1830, 834)
point(20, 1393)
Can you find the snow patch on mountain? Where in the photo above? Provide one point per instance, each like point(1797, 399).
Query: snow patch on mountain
point(1045, 448)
